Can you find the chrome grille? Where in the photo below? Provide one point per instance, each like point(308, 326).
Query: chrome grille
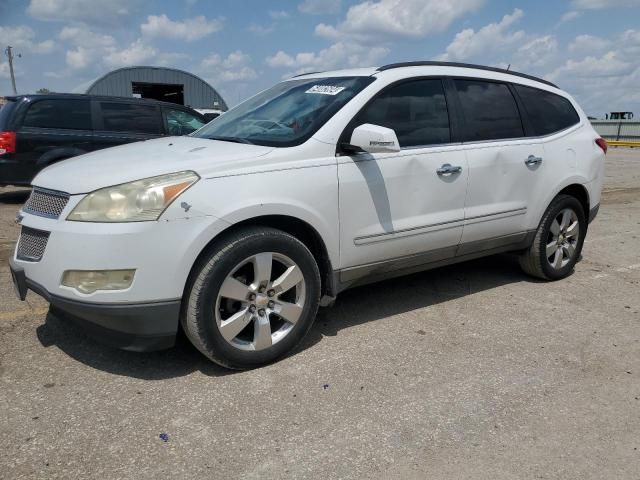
point(46, 203)
point(32, 244)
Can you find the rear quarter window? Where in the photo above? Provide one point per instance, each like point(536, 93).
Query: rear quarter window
point(59, 113)
point(547, 112)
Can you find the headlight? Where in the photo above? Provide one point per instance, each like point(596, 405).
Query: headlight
point(137, 201)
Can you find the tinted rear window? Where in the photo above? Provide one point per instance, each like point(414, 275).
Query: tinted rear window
point(130, 117)
point(59, 113)
point(5, 114)
point(547, 112)
point(489, 109)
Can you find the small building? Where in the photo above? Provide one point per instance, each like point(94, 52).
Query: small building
point(159, 83)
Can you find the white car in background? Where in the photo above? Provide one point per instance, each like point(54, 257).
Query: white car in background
point(240, 231)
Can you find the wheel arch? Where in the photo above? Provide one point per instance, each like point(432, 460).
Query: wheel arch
point(294, 226)
point(579, 192)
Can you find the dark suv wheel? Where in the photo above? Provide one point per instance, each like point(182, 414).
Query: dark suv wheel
point(558, 242)
point(252, 299)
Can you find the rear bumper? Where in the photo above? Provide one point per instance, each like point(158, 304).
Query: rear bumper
point(131, 326)
point(593, 213)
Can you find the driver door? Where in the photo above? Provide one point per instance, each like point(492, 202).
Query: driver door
point(401, 209)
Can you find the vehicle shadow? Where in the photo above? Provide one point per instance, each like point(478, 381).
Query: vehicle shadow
point(354, 307)
point(14, 197)
point(420, 290)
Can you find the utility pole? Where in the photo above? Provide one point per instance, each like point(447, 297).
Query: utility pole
point(13, 77)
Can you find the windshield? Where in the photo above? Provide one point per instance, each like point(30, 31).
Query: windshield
point(287, 114)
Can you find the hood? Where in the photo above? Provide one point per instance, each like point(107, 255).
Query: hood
point(135, 161)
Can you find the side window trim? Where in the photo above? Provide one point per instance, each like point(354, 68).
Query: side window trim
point(524, 115)
point(450, 112)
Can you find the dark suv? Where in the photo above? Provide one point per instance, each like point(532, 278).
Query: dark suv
point(38, 130)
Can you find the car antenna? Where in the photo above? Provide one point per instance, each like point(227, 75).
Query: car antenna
point(508, 67)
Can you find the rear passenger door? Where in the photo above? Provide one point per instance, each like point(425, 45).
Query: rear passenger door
point(505, 167)
point(125, 122)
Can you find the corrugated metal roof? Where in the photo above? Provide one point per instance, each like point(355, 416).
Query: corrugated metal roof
point(197, 92)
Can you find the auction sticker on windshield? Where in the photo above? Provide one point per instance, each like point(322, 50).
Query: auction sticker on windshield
point(325, 89)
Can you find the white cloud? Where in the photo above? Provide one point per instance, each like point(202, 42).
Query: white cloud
point(494, 37)
point(608, 65)
point(569, 16)
point(320, 7)
point(84, 37)
point(414, 19)
point(137, 53)
point(260, 30)
point(278, 14)
point(338, 55)
point(189, 29)
point(89, 11)
point(600, 4)
point(22, 37)
point(588, 44)
point(536, 52)
point(235, 67)
point(79, 58)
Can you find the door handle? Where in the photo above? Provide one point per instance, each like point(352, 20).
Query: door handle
point(533, 160)
point(448, 169)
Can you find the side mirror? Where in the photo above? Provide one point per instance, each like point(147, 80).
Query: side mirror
point(372, 139)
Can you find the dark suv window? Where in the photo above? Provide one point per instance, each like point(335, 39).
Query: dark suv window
point(130, 117)
point(547, 111)
point(415, 110)
point(489, 109)
point(59, 113)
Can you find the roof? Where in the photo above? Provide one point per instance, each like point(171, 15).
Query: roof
point(80, 96)
point(373, 70)
point(139, 67)
point(463, 65)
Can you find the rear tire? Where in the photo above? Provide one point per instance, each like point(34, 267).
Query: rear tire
point(558, 242)
point(252, 299)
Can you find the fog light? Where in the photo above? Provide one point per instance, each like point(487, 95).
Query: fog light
point(89, 281)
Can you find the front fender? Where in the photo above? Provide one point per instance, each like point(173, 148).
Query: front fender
point(307, 194)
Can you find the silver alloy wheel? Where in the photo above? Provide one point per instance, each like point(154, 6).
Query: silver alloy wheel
point(253, 309)
point(563, 237)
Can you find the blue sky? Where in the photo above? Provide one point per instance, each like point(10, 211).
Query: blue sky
point(589, 47)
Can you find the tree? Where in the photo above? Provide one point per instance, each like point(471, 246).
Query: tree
point(43, 90)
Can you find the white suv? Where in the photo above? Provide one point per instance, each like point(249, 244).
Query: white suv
point(242, 230)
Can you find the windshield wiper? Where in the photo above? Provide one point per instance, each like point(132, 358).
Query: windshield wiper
point(232, 139)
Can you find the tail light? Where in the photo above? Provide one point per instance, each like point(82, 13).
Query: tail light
point(7, 142)
point(602, 143)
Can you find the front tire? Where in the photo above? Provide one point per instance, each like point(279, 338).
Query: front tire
point(558, 242)
point(252, 299)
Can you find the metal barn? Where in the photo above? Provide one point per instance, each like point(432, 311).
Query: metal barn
point(159, 83)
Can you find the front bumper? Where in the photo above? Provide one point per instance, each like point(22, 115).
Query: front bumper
point(131, 326)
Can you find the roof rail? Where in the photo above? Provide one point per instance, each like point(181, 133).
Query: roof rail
point(462, 65)
point(305, 73)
